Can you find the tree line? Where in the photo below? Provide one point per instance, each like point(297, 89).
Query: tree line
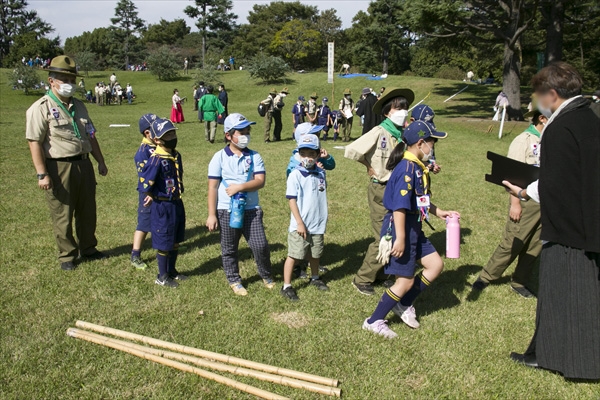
point(507, 39)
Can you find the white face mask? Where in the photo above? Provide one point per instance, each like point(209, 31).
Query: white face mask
point(66, 89)
point(427, 156)
point(546, 112)
point(308, 163)
point(399, 117)
point(283, 94)
point(242, 141)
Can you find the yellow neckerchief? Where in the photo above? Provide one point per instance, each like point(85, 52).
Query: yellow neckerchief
point(411, 157)
point(162, 153)
point(149, 142)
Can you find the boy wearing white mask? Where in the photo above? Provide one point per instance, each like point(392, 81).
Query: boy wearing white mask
point(238, 173)
point(307, 195)
point(373, 150)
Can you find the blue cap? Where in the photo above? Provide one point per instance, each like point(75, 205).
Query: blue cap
point(301, 98)
point(306, 128)
point(236, 121)
point(309, 142)
point(160, 127)
point(418, 130)
point(146, 122)
point(325, 99)
point(423, 112)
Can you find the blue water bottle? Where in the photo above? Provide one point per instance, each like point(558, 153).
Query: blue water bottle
point(238, 207)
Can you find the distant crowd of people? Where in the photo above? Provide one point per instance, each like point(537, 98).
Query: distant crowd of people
point(37, 62)
point(104, 94)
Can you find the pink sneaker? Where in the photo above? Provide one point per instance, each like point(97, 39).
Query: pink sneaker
point(379, 327)
point(408, 315)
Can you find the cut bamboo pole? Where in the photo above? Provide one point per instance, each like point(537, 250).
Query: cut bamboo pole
point(282, 380)
point(208, 354)
point(263, 394)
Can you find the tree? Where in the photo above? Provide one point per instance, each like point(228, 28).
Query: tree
point(505, 20)
point(24, 78)
point(98, 42)
point(125, 25)
point(163, 63)
point(86, 60)
point(29, 44)
point(166, 32)
point(297, 42)
point(16, 20)
point(268, 68)
point(213, 17)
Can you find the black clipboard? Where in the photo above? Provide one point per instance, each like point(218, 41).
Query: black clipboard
point(507, 169)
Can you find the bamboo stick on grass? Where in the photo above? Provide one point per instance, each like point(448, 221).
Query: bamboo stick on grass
point(201, 362)
point(263, 394)
point(208, 354)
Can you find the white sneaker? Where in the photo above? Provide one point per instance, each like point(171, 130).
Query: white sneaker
point(379, 327)
point(408, 315)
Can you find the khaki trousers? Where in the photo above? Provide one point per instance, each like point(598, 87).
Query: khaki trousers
point(268, 120)
point(522, 240)
point(371, 270)
point(210, 130)
point(73, 195)
point(347, 129)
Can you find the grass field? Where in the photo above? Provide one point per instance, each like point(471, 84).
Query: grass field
point(460, 352)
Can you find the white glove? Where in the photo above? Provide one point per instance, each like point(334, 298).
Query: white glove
point(385, 250)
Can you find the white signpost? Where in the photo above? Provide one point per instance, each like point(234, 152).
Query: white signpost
point(330, 61)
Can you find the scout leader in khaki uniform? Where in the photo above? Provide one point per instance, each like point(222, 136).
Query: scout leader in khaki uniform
point(373, 150)
point(523, 227)
point(61, 137)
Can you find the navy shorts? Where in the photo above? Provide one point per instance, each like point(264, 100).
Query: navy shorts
point(167, 223)
point(416, 247)
point(143, 223)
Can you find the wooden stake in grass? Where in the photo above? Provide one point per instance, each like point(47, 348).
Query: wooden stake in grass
point(282, 380)
point(208, 354)
point(263, 394)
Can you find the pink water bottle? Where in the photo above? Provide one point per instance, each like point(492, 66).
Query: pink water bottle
point(453, 236)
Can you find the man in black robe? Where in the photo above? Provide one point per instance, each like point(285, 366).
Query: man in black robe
point(365, 110)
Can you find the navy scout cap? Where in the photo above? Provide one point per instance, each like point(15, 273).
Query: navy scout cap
point(418, 130)
point(160, 127)
point(146, 122)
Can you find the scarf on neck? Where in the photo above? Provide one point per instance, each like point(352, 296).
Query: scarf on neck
point(389, 126)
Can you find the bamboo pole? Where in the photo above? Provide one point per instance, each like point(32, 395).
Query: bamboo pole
point(502, 122)
point(425, 98)
point(456, 94)
point(263, 376)
point(208, 354)
point(263, 394)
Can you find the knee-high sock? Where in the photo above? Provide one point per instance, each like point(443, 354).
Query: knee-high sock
point(387, 302)
point(172, 271)
point(162, 258)
point(421, 283)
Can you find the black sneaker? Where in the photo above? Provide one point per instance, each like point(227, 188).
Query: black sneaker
point(179, 277)
point(523, 292)
point(68, 266)
point(97, 255)
point(479, 285)
point(289, 293)
point(323, 270)
point(319, 284)
point(166, 281)
point(366, 289)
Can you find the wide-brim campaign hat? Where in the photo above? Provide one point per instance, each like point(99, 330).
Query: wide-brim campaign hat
point(418, 130)
point(314, 95)
point(529, 114)
point(236, 121)
point(285, 90)
point(273, 91)
point(63, 65)
point(389, 94)
point(347, 91)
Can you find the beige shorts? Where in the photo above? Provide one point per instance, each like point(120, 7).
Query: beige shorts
point(298, 248)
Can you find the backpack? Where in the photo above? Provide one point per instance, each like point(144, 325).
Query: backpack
point(262, 109)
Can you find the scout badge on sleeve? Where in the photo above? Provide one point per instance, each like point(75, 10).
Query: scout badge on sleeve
point(55, 113)
point(385, 245)
point(90, 129)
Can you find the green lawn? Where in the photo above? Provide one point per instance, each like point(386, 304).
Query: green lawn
point(461, 350)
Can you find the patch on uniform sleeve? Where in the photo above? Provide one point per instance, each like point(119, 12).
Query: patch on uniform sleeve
point(145, 186)
point(164, 163)
point(404, 192)
point(407, 178)
point(409, 186)
point(142, 179)
point(55, 113)
point(383, 142)
point(419, 173)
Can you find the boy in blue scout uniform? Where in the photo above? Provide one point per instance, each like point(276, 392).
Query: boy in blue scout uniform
point(307, 195)
point(324, 117)
point(141, 157)
point(238, 172)
point(161, 181)
point(325, 159)
point(298, 112)
point(407, 199)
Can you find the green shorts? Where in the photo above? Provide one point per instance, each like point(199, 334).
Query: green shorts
point(298, 248)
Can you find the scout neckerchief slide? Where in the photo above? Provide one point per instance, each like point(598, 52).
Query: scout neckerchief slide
point(71, 113)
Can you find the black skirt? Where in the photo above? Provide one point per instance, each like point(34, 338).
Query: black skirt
point(567, 335)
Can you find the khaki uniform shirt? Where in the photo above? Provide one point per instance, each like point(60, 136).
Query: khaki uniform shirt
point(375, 148)
point(49, 125)
point(525, 148)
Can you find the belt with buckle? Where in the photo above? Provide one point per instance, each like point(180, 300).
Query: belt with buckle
point(71, 159)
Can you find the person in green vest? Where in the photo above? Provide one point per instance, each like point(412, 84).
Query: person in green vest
point(210, 106)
